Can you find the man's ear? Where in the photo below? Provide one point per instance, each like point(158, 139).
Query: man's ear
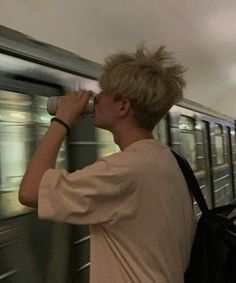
point(124, 107)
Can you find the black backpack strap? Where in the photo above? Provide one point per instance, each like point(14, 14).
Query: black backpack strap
point(191, 181)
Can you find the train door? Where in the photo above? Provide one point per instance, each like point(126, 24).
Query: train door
point(233, 150)
point(189, 137)
point(221, 169)
point(207, 162)
point(230, 137)
point(193, 141)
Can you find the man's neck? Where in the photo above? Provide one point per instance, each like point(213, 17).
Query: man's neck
point(130, 135)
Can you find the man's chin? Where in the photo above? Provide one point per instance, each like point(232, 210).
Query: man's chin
point(103, 127)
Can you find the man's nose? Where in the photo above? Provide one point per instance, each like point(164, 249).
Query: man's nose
point(97, 98)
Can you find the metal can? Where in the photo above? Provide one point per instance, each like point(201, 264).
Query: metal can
point(54, 102)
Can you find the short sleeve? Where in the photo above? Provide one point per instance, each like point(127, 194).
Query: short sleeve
point(88, 196)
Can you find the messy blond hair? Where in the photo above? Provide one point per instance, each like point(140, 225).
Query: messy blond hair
point(151, 80)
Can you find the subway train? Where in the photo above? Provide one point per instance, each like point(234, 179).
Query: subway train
point(36, 251)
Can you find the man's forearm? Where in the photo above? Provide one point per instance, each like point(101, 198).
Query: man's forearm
point(43, 158)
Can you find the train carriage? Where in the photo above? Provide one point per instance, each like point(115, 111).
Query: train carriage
point(30, 71)
point(205, 137)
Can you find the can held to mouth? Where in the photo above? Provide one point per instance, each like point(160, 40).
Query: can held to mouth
point(54, 102)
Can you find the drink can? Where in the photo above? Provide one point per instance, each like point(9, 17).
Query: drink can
point(54, 102)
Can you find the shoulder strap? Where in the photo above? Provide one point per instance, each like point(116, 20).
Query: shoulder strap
point(191, 181)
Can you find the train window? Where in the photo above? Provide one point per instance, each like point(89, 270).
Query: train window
point(219, 144)
point(188, 140)
point(105, 143)
point(218, 129)
point(15, 99)
point(23, 120)
point(160, 132)
point(188, 147)
point(15, 138)
point(186, 123)
point(232, 135)
point(15, 144)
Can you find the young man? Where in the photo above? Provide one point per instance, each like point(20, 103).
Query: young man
point(136, 201)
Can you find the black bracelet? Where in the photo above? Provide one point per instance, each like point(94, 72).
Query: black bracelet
point(62, 123)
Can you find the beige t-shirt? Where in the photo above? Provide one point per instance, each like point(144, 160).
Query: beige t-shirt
point(140, 212)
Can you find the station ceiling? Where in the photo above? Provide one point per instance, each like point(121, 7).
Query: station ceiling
point(202, 34)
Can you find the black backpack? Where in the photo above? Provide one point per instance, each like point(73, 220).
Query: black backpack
point(213, 255)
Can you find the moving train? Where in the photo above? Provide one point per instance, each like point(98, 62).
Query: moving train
point(36, 251)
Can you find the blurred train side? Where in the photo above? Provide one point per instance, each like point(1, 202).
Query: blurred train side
point(30, 71)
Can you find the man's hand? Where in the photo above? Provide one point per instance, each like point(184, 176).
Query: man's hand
point(72, 106)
